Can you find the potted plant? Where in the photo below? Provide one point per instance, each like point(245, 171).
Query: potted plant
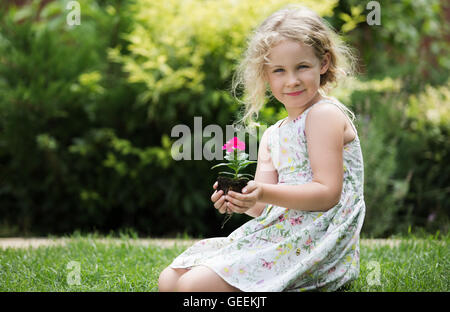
point(237, 160)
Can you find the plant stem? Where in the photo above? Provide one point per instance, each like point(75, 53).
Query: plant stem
point(236, 171)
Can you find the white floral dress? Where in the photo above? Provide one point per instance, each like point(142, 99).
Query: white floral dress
point(286, 249)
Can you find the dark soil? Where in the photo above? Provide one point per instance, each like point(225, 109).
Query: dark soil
point(225, 184)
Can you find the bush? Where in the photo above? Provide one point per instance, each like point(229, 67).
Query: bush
point(403, 138)
point(84, 139)
point(86, 114)
point(411, 32)
point(180, 57)
point(426, 152)
point(52, 99)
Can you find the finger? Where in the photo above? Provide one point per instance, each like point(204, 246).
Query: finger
point(235, 208)
point(215, 185)
point(216, 195)
point(223, 208)
point(236, 202)
point(251, 185)
point(238, 195)
point(220, 205)
point(219, 202)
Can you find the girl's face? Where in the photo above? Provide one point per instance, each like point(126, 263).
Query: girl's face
point(293, 67)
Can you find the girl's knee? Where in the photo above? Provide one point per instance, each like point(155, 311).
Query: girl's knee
point(202, 279)
point(186, 283)
point(165, 280)
point(168, 279)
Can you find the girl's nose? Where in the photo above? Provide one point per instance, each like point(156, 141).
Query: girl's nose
point(292, 81)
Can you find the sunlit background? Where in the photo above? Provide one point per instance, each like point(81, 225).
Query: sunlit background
point(86, 111)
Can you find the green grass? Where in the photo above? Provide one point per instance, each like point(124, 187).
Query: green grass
point(415, 265)
point(103, 267)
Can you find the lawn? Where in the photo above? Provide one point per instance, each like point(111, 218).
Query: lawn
point(411, 265)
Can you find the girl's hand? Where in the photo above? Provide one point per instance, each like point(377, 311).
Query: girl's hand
point(240, 203)
point(219, 200)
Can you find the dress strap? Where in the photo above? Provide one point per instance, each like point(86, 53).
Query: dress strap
point(333, 101)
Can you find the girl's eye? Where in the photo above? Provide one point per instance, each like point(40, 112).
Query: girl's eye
point(300, 66)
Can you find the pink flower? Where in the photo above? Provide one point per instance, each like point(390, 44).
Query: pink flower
point(309, 241)
point(297, 220)
point(267, 264)
point(233, 144)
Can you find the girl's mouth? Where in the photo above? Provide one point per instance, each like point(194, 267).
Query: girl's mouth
point(295, 93)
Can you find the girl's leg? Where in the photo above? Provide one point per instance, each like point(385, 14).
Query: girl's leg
point(202, 278)
point(169, 278)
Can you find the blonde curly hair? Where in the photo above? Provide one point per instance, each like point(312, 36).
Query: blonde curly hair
point(293, 22)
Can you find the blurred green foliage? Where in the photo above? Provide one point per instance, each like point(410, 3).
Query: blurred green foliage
point(411, 42)
point(86, 112)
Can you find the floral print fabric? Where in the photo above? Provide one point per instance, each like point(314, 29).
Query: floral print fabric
point(291, 250)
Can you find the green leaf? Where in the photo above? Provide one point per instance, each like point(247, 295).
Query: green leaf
point(345, 17)
point(356, 10)
point(246, 163)
point(220, 165)
point(245, 175)
point(227, 173)
point(24, 13)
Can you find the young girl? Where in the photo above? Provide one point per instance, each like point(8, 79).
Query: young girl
point(307, 196)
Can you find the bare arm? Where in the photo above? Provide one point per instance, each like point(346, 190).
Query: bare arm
point(325, 136)
point(265, 173)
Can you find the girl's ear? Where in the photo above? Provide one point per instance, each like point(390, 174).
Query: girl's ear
point(325, 63)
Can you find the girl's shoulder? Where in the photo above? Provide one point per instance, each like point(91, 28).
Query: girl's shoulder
point(333, 108)
point(324, 116)
point(332, 112)
point(327, 101)
point(325, 107)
